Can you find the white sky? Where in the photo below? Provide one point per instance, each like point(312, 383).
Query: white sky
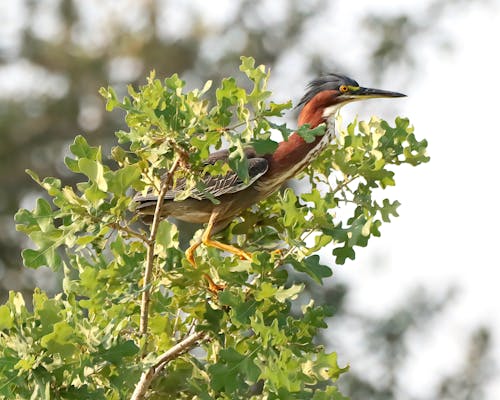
point(447, 232)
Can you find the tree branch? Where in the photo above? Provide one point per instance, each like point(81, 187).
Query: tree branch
point(146, 293)
point(180, 348)
point(147, 376)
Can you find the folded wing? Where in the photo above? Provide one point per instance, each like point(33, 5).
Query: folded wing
point(214, 186)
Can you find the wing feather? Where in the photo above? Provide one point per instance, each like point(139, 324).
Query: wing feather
point(219, 185)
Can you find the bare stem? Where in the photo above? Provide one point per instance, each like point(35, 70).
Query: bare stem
point(147, 376)
point(128, 231)
point(148, 272)
point(345, 183)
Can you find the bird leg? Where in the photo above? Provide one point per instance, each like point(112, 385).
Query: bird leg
point(212, 286)
point(190, 252)
point(207, 241)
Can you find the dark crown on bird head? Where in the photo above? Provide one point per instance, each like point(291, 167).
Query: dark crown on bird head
point(326, 82)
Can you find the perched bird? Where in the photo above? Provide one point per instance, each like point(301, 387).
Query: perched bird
point(267, 172)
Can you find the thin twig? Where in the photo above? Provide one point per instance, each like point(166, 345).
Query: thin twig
point(181, 152)
point(146, 293)
point(150, 180)
point(128, 231)
point(345, 183)
point(176, 320)
point(147, 376)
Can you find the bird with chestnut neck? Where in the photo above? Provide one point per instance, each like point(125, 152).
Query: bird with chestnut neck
point(267, 172)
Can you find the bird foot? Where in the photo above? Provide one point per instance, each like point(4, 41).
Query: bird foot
point(190, 257)
point(213, 287)
point(277, 253)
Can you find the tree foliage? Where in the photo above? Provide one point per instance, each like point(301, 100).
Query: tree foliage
point(117, 331)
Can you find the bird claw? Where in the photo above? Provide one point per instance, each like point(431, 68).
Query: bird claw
point(213, 287)
point(277, 253)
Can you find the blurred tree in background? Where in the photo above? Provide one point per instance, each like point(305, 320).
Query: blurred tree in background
point(58, 53)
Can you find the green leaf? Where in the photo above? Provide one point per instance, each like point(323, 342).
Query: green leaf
point(312, 267)
point(238, 162)
point(228, 298)
point(94, 171)
point(241, 310)
point(276, 109)
point(343, 253)
point(88, 278)
point(118, 352)
point(206, 87)
point(81, 149)
point(167, 235)
point(266, 146)
point(308, 134)
point(122, 179)
point(6, 319)
point(247, 65)
point(231, 372)
point(173, 82)
point(229, 94)
point(213, 318)
point(72, 164)
point(325, 366)
point(110, 95)
point(48, 311)
point(389, 209)
point(265, 290)
point(292, 212)
point(94, 194)
point(223, 378)
point(60, 341)
point(26, 364)
point(41, 219)
point(289, 294)
point(43, 257)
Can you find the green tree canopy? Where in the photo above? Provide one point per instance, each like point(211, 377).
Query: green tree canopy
point(134, 318)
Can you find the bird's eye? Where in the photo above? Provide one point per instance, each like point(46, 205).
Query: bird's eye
point(343, 89)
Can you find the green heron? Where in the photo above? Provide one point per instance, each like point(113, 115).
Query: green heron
point(267, 172)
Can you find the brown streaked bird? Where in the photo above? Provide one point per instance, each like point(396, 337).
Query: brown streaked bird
point(324, 97)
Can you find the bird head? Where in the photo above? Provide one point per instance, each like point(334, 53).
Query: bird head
point(326, 94)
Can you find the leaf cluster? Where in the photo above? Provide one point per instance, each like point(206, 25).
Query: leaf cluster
point(87, 342)
point(342, 204)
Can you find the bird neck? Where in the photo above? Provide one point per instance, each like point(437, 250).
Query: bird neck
point(293, 155)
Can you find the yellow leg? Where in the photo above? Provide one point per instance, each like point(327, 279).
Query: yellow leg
point(212, 286)
point(205, 239)
point(226, 247)
point(190, 253)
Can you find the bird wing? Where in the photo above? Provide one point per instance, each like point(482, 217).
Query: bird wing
point(215, 186)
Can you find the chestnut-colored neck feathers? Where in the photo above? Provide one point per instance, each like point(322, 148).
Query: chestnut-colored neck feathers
point(292, 155)
point(312, 112)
